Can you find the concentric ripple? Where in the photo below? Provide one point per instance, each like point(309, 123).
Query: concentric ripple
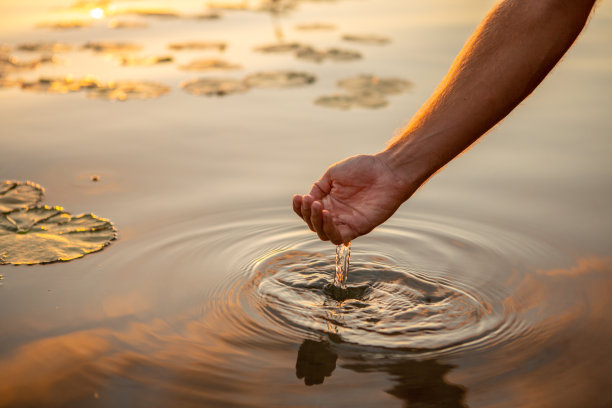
point(420, 285)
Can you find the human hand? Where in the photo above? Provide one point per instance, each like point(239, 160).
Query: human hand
point(352, 198)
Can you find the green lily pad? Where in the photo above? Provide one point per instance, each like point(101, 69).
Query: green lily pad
point(19, 194)
point(64, 25)
point(366, 39)
point(279, 48)
point(8, 82)
point(315, 27)
point(198, 45)
point(332, 54)
point(111, 47)
point(129, 61)
point(13, 64)
point(49, 47)
point(366, 100)
point(122, 24)
point(49, 234)
point(209, 64)
point(214, 86)
point(59, 85)
point(372, 83)
point(279, 79)
point(150, 12)
point(128, 90)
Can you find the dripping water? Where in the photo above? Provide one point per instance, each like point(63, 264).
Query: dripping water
point(343, 257)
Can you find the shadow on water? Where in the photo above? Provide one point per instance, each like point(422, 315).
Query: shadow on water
point(417, 382)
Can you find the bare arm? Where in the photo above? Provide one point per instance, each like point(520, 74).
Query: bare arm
point(509, 54)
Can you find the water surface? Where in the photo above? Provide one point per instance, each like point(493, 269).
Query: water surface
point(490, 287)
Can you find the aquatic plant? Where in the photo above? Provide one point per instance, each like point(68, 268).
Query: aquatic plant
point(19, 194)
point(366, 39)
point(214, 86)
point(128, 90)
point(209, 64)
point(49, 234)
point(279, 79)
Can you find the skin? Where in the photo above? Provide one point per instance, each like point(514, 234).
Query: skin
point(503, 61)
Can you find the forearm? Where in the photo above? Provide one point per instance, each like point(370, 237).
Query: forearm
point(508, 55)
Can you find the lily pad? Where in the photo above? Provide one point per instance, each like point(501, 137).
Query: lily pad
point(59, 85)
point(128, 90)
point(209, 64)
point(332, 54)
point(315, 27)
point(19, 194)
point(120, 24)
point(65, 25)
point(227, 6)
point(150, 12)
point(8, 82)
point(207, 16)
point(279, 79)
point(12, 64)
point(372, 83)
point(366, 39)
point(279, 48)
point(144, 61)
point(214, 86)
point(111, 47)
point(198, 45)
point(367, 100)
point(49, 47)
point(49, 234)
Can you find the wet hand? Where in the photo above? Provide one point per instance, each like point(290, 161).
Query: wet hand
point(352, 198)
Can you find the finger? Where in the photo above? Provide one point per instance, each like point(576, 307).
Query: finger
point(330, 228)
point(306, 204)
point(321, 187)
point(297, 204)
point(316, 217)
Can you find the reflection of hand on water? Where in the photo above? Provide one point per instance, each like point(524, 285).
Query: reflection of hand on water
point(315, 361)
point(417, 382)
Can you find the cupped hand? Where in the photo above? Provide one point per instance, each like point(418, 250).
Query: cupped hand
point(351, 198)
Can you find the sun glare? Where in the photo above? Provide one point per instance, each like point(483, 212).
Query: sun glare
point(97, 13)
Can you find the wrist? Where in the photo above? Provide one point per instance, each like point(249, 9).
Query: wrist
point(409, 162)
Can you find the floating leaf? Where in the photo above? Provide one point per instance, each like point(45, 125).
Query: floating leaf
point(209, 64)
point(12, 64)
point(118, 24)
point(44, 47)
point(60, 85)
point(366, 39)
point(65, 25)
point(146, 12)
point(128, 90)
point(332, 54)
point(219, 5)
point(315, 27)
point(145, 61)
point(372, 83)
point(198, 45)
point(214, 86)
point(367, 100)
point(279, 48)
point(111, 47)
point(49, 234)
point(207, 16)
point(19, 194)
point(8, 82)
point(279, 79)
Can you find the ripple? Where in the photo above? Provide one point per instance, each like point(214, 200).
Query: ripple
point(420, 285)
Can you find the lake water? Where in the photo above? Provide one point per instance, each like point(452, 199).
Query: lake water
point(490, 287)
